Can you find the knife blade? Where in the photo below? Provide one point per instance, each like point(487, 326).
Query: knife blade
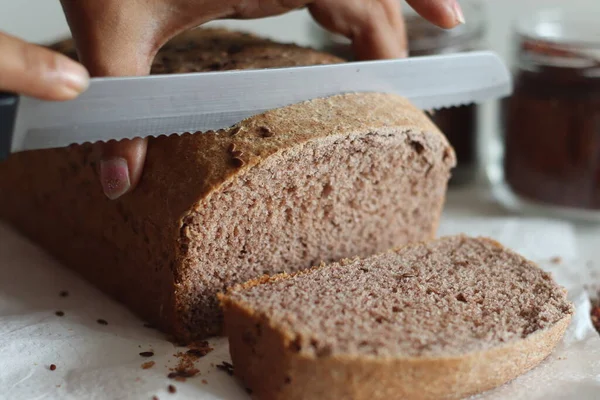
point(128, 107)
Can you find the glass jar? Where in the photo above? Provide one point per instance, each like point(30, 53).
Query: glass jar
point(551, 124)
point(459, 124)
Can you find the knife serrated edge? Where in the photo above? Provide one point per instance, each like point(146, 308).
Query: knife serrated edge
point(52, 132)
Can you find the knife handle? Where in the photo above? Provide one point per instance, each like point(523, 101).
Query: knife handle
point(8, 112)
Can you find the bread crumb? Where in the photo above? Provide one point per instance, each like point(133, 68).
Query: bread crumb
point(172, 389)
point(102, 321)
point(146, 353)
point(148, 364)
point(181, 374)
point(227, 367)
point(52, 367)
point(186, 366)
point(595, 315)
point(60, 313)
point(556, 260)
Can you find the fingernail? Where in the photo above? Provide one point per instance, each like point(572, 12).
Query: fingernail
point(73, 75)
point(67, 92)
point(458, 12)
point(114, 177)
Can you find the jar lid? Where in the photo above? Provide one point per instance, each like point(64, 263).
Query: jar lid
point(425, 37)
point(561, 26)
point(560, 37)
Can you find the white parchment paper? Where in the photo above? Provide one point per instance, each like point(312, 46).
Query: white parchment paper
point(102, 361)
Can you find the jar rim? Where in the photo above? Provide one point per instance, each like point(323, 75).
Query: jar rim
point(557, 37)
point(560, 26)
point(434, 38)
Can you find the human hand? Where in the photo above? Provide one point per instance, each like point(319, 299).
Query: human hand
point(35, 71)
point(116, 37)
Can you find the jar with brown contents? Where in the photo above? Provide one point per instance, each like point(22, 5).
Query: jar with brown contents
point(552, 121)
point(459, 124)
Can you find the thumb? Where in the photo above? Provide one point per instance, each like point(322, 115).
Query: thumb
point(35, 71)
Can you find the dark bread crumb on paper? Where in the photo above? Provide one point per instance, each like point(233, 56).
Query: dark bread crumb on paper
point(148, 364)
point(595, 314)
point(198, 353)
point(226, 367)
point(182, 374)
point(186, 367)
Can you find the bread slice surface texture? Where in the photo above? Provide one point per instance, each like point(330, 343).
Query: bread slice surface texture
point(440, 320)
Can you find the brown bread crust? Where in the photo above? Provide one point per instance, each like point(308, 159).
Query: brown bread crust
point(202, 50)
point(268, 362)
point(137, 249)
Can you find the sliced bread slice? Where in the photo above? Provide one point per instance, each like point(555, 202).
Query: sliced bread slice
point(438, 320)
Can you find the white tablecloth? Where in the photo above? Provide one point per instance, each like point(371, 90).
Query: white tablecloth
point(95, 361)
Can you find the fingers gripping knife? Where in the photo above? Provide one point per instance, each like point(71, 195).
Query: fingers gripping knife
point(120, 108)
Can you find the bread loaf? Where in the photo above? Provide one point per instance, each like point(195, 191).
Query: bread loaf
point(439, 320)
point(318, 181)
point(203, 50)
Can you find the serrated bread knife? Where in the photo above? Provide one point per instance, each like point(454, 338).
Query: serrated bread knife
point(128, 107)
